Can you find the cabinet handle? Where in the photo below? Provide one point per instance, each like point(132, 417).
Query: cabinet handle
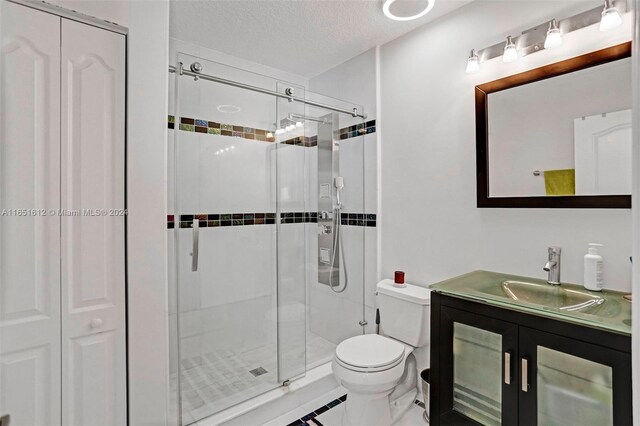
point(507, 368)
point(525, 373)
point(196, 243)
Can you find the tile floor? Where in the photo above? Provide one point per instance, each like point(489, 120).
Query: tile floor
point(222, 378)
point(330, 414)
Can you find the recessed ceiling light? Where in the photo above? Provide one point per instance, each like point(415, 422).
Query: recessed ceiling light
point(386, 9)
point(229, 109)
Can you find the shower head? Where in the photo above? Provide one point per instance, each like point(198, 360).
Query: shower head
point(293, 115)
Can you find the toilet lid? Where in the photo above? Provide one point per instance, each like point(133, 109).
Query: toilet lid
point(370, 351)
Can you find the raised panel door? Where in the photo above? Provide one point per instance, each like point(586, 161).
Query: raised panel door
point(29, 224)
point(93, 257)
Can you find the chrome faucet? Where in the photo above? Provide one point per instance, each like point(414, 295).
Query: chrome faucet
point(553, 266)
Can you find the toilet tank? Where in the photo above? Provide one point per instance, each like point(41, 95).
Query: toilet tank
point(405, 312)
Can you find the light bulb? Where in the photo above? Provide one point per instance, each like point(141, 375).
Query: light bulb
point(554, 38)
point(610, 17)
point(298, 123)
point(290, 127)
point(269, 134)
point(279, 131)
point(510, 51)
point(473, 63)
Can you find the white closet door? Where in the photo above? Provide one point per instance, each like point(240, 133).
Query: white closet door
point(29, 244)
point(602, 149)
point(93, 273)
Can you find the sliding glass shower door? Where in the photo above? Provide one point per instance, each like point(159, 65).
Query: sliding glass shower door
point(226, 242)
point(244, 233)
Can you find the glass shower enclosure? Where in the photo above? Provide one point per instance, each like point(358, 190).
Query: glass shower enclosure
point(266, 237)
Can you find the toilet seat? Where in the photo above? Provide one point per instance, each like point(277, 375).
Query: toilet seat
point(369, 353)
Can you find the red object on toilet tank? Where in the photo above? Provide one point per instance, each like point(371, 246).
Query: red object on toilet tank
point(399, 277)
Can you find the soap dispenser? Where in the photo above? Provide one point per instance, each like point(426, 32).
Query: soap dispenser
point(593, 269)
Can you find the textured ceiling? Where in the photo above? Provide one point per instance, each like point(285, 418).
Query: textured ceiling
point(306, 37)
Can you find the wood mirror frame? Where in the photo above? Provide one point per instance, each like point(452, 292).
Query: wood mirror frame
point(578, 63)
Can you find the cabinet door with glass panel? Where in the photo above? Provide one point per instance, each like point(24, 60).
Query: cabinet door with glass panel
point(479, 383)
point(569, 382)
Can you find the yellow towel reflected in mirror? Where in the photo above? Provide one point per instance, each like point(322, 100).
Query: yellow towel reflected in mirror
point(560, 182)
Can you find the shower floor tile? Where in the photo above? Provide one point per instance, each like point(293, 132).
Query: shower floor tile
point(217, 380)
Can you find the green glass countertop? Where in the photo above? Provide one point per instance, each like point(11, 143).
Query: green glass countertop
point(605, 310)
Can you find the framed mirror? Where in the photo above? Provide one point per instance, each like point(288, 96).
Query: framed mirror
point(558, 136)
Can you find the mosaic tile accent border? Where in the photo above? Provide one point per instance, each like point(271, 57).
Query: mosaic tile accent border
point(198, 125)
point(359, 219)
point(224, 219)
point(299, 217)
point(312, 420)
point(247, 219)
point(358, 129)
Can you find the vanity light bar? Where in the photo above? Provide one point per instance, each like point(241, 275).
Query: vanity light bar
point(533, 40)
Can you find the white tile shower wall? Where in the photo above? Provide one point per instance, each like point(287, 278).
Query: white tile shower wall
point(335, 316)
point(430, 224)
point(230, 303)
point(201, 99)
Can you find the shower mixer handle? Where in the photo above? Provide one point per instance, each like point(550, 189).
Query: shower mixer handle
point(324, 229)
point(324, 215)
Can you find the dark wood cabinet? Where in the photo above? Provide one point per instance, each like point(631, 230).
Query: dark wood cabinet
point(491, 365)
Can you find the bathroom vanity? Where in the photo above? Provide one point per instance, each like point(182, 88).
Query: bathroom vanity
point(514, 350)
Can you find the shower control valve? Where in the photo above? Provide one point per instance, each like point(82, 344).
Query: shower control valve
point(324, 229)
point(325, 215)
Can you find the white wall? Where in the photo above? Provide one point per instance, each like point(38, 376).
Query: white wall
point(352, 81)
point(146, 224)
point(430, 224)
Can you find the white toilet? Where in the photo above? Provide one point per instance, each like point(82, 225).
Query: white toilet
point(379, 371)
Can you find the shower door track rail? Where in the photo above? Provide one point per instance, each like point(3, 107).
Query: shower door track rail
point(289, 97)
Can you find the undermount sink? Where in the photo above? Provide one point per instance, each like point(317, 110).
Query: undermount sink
point(552, 296)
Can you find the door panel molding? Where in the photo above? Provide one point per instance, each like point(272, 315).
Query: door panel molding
point(93, 256)
point(30, 381)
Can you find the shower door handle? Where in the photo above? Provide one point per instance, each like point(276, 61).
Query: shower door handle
point(196, 244)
